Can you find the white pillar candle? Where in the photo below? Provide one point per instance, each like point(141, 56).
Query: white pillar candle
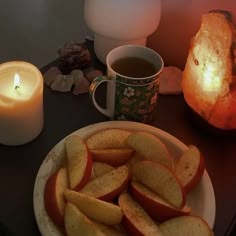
point(21, 102)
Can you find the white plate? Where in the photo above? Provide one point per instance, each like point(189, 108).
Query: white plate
point(201, 200)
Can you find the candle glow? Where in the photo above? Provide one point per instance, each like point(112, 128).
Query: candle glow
point(21, 102)
point(16, 81)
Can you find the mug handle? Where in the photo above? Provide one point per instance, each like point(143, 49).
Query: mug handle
point(110, 98)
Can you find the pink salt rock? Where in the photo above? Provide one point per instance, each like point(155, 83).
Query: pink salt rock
point(62, 83)
point(170, 80)
point(50, 75)
point(77, 75)
point(81, 86)
point(90, 75)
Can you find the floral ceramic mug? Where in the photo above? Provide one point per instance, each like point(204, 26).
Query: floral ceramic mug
point(130, 96)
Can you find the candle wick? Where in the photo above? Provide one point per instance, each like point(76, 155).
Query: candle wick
point(17, 87)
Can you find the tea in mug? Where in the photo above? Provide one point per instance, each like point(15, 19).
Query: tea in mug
point(134, 67)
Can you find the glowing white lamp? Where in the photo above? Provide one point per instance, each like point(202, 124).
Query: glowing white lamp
point(120, 22)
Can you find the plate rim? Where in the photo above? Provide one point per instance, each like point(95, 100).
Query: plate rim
point(129, 125)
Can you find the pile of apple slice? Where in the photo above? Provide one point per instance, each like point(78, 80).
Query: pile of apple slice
point(118, 182)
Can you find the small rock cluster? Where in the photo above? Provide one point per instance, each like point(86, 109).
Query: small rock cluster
point(74, 71)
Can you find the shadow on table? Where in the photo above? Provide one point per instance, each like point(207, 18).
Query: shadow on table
point(5, 231)
point(231, 231)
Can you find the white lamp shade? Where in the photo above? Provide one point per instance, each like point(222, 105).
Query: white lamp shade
point(123, 19)
point(120, 22)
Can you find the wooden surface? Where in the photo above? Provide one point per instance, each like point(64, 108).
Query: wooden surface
point(65, 113)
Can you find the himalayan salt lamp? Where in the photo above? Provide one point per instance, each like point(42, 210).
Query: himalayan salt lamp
point(209, 77)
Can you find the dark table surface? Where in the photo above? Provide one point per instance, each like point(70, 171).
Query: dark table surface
point(65, 113)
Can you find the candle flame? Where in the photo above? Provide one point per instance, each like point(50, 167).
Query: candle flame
point(16, 81)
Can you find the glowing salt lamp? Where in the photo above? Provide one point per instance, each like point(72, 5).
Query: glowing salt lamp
point(209, 77)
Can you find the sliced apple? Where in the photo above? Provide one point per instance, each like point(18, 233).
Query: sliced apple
point(53, 196)
point(150, 147)
point(112, 230)
point(136, 221)
point(155, 206)
point(95, 209)
point(161, 181)
point(190, 168)
point(79, 162)
point(100, 169)
point(184, 226)
point(108, 138)
point(114, 156)
point(109, 185)
point(76, 223)
point(134, 159)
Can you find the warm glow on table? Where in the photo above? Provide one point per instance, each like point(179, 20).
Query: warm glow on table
point(21, 103)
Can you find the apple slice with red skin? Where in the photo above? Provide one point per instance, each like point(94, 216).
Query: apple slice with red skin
point(136, 220)
point(112, 156)
point(95, 209)
point(100, 168)
point(190, 168)
point(108, 230)
point(76, 223)
point(108, 138)
point(79, 162)
point(134, 159)
point(161, 181)
point(185, 225)
point(150, 147)
point(155, 206)
point(109, 185)
point(53, 196)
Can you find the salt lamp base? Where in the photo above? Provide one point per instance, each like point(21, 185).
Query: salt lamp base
point(204, 125)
